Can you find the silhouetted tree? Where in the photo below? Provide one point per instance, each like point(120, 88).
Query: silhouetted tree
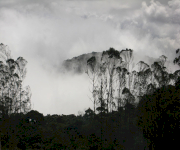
point(158, 116)
point(13, 98)
point(177, 59)
point(35, 117)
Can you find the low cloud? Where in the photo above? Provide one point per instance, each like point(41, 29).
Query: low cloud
point(47, 32)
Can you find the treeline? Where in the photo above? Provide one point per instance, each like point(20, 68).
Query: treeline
point(116, 79)
point(154, 123)
point(35, 131)
point(136, 106)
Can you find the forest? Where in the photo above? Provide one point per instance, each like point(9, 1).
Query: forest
point(135, 107)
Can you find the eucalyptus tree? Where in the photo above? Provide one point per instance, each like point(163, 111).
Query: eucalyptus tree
point(128, 99)
point(177, 59)
point(93, 72)
point(127, 57)
point(165, 74)
point(156, 74)
point(143, 75)
point(162, 60)
point(172, 79)
point(160, 74)
point(5, 53)
point(158, 116)
point(13, 97)
point(176, 75)
point(97, 74)
point(152, 77)
point(128, 96)
point(112, 60)
point(121, 81)
point(14, 75)
point(134, 83)
point(102, 90)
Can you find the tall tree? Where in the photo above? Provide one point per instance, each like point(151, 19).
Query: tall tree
point(102, 89)
point(127, 57)
point(143, 75)
point(112, 60)
point(14, 98)
point(93, 73)
point(158, 117)
point(121, 81)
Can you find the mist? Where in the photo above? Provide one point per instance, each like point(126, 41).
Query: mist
point(47, 33)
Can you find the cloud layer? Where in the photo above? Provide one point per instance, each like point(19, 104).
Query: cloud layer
point(47, 32)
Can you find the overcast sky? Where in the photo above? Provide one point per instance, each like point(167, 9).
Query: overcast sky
point(47, 32)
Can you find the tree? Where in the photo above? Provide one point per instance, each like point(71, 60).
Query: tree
point(93, 73)
point(121, 80)
point(160, 74)
point(89, 113)
point(13, 97)
point(127, 57)
point(142, 78)
point(176, 75)
point(159, 108)
point(101, 101)
point(35, 117)
point(159, 115)
point(128, 99)
point(177, 59)
point(112, 60)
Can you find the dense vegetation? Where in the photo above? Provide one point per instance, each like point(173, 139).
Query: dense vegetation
point(133, 108)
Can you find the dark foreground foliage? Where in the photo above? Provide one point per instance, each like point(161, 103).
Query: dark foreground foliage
point(158, 117)
point(109, 131)
point(153, 124)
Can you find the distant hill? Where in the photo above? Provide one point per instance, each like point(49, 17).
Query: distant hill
point(78, 65)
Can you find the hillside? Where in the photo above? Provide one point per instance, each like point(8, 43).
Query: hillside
point(78, 64)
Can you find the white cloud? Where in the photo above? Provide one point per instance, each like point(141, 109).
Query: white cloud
point(155, 9)
point(47, 32)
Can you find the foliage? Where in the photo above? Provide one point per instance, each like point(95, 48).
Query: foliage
point(116, 122)
point(177, 59)
point(14, 97)
point(159, 115)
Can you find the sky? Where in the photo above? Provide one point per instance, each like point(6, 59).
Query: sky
point(46, 33)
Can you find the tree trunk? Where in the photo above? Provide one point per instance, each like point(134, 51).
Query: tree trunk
point(109, 95)
point(101, 112)
point(0, 140)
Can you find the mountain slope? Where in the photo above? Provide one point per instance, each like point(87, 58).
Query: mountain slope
point(78, 65)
